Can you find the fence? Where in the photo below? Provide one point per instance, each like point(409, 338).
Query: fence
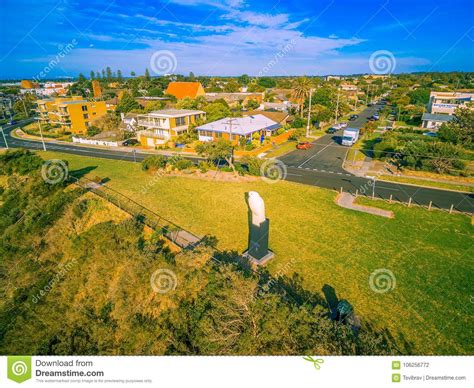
point(95, 142)
point(177, 235)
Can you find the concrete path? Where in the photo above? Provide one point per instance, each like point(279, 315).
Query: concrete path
point(346, 200)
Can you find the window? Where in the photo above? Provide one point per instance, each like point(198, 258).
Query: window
point(180, 121)
point(84, 108)
point(86, 116)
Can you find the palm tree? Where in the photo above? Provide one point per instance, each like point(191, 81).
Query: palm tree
point(301, 88)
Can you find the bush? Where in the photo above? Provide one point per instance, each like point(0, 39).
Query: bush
point(20, 161)
point(298, 122)
point(180, 163)
point(154, 162)
point(204, 166)
point(251, 165)
point(295, 135)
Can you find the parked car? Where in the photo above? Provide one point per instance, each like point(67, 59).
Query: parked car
point(430, 134)
point(130, 142)
point(376, 116)
point(342, 125)
point(331, 130)
point(304, 145)
point(353, 117)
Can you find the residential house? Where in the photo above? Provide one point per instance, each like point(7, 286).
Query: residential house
point(285, 106)
point(129, 122)
point(236, 129)
point(185, 89)
point(74, 114)
point(235, 98)
point(442, 106)
point(27, 84)
point(281, 118)
point(160, 126)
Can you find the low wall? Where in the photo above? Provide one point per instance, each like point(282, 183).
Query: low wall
point(95, 142)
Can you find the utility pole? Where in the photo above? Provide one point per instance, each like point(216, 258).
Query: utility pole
point(41, 133)
point(4, 138)
point(337, 107)
point(309, 112)
point(24, 107)
point(367, 96)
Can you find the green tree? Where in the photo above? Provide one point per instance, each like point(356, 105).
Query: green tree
point(108, 72)
point(147, 75)
point(92, 76)
point(133, 74)
point(301, 88)
point(216, 111)
point(460, 130)
point(119, 76)
point(127, 104)
point(217, 150)
point(81, 78)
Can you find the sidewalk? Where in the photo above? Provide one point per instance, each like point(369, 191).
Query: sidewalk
point(346, 200)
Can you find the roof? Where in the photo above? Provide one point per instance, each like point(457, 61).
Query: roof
point(174, 112)
point(183, 89)
point(72, 102)
point(436, 117)
point(241, 125)
point(275, 116)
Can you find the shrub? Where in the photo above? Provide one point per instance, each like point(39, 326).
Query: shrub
point(154, 162)
point(251, 165)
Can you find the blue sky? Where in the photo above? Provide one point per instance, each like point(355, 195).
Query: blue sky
point(232, 37)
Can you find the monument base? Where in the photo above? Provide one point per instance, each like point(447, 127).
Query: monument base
point(262, 261)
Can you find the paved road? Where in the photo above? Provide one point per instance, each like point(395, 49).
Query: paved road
point(332, 180)
point(321, 165)
point(326, 154)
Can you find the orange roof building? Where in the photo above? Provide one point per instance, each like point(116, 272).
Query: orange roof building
point(185, 89)
point(27, 84)
point(96, 89)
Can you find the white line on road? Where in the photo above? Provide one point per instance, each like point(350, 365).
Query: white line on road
point(306, 161)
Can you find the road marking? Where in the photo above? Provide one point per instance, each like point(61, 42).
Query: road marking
point(306, 161)
point(339, 173)
point(289, 173)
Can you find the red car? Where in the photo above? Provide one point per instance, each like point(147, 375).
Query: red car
point(305, 145)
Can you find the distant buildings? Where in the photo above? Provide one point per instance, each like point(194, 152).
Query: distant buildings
point(45, 90)
point(73, 114)
point(27, 84)
point(185, 89)
point(160, 126)
point(279, 106)
point(442, 106)
point(235, 98)
point(236, 129)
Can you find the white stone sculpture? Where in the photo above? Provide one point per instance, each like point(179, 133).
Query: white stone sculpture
point(257, 206)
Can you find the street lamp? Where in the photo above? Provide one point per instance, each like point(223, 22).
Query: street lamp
point(373, 185)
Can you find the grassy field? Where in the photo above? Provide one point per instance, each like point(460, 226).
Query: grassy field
point(428, 311)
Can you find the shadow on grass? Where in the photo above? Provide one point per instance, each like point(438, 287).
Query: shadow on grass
point(292, 292)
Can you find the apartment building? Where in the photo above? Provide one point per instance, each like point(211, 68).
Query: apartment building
point(74, 114)
point(442, 106)
point(160, 126)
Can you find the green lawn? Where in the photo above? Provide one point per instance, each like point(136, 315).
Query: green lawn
point(429, 310)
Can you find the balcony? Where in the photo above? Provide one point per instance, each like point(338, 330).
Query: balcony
point(163, 135)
